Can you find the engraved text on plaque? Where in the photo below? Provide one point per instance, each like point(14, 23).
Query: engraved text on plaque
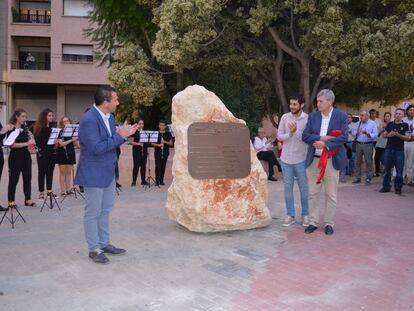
point(218, 150)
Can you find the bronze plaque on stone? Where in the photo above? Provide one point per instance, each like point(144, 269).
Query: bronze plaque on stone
point(218, 150)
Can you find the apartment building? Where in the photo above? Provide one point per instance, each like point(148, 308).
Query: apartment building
point(45, 59)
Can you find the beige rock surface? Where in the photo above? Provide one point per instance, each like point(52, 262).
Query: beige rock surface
point(212, 204)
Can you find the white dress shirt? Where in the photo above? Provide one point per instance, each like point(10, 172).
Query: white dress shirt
point(105, 118)
point(324, 129)
point(261, 144)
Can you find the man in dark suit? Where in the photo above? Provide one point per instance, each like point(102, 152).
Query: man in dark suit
point(99, 138)
point(317, 135)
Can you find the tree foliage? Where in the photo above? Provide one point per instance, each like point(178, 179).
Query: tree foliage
point(362, 49)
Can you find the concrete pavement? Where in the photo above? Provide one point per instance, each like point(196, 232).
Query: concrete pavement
point(368, 264)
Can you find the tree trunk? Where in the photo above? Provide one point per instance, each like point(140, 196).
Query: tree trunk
point(270, 114)
point(278, 81)
point(180, 81)
point(316, 87)
point(306, 84)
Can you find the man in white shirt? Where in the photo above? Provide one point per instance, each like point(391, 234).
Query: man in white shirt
point(293, 158)
point(409, 146)
point(365, 132)
point(317, 134)
point(373, 115)
point(262, 146)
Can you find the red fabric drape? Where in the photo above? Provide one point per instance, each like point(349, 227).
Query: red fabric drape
point(326, 154)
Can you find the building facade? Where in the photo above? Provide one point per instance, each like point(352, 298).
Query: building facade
point(45, 59)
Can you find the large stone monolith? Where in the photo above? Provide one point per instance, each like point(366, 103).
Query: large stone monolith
point(212, 204)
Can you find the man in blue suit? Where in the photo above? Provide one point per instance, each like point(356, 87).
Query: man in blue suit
point(316, 134)
point(99, 138)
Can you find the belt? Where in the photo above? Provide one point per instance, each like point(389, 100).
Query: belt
point(370, 142)
point(316, 156)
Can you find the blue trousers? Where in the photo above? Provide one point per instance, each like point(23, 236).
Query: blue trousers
point(393, 158)
point(99, 203)
point(289, 172)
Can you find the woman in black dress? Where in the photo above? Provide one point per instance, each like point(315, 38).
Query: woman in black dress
point(161, 152)
point(139, 155)
point(66, 158)
point(20, 160)
point(3, 132)
point(46, 155)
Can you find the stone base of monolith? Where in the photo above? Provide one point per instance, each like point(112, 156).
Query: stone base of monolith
point(213, 204)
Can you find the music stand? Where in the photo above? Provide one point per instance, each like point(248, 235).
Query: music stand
point(149, 137)
point(12, 219)
point(71, 130)
point(50, 196)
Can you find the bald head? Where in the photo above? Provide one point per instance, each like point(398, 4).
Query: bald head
point(364, 116)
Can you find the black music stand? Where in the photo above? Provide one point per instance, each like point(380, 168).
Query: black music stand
point(72, 130)
point(149, 137)
point(50, 198)
point(12, 219)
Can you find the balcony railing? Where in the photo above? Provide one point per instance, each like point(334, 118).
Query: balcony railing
point(24, 65)
point(35, 17)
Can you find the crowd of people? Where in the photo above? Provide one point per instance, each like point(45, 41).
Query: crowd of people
point(320, 148)
point(63, 154)
point(326, 146)
point(20, 160)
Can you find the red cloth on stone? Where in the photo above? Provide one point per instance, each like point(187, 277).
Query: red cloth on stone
point(326, 154)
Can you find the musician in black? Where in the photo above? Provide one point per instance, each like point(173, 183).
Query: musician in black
point(3, 132)
point(20, 160)
point(66, 158)
point(139, 155)
point(161, 152)
point(46, 155)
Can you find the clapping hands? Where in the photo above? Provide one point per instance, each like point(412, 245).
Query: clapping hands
point(292, 127)
point(126, 130)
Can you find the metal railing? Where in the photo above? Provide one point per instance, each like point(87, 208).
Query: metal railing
point(36, 17)
point(24, 65)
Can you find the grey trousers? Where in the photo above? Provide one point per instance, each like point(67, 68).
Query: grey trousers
point(99, 204)
point(365, 150)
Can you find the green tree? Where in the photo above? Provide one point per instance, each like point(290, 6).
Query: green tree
point(362, 49)
point(303, 44)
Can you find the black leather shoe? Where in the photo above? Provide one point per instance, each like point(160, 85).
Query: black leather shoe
point(356, 181)
point(309, 229)
point(2, 209)
point(398, 192)
point(272, 178)
point(383, 190)
point(162, 183)
point(144, 183)
point(133, 184)
point(29, 204)
point(110, 249)
point(118, 185)
point(99, 257)
point(329, 230)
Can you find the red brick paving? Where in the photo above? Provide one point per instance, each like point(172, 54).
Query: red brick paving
point(368, 264)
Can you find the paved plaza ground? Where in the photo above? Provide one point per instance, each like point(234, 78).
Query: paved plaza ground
point(368, 264)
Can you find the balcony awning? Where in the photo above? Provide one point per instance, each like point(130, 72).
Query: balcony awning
point(78, 49)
